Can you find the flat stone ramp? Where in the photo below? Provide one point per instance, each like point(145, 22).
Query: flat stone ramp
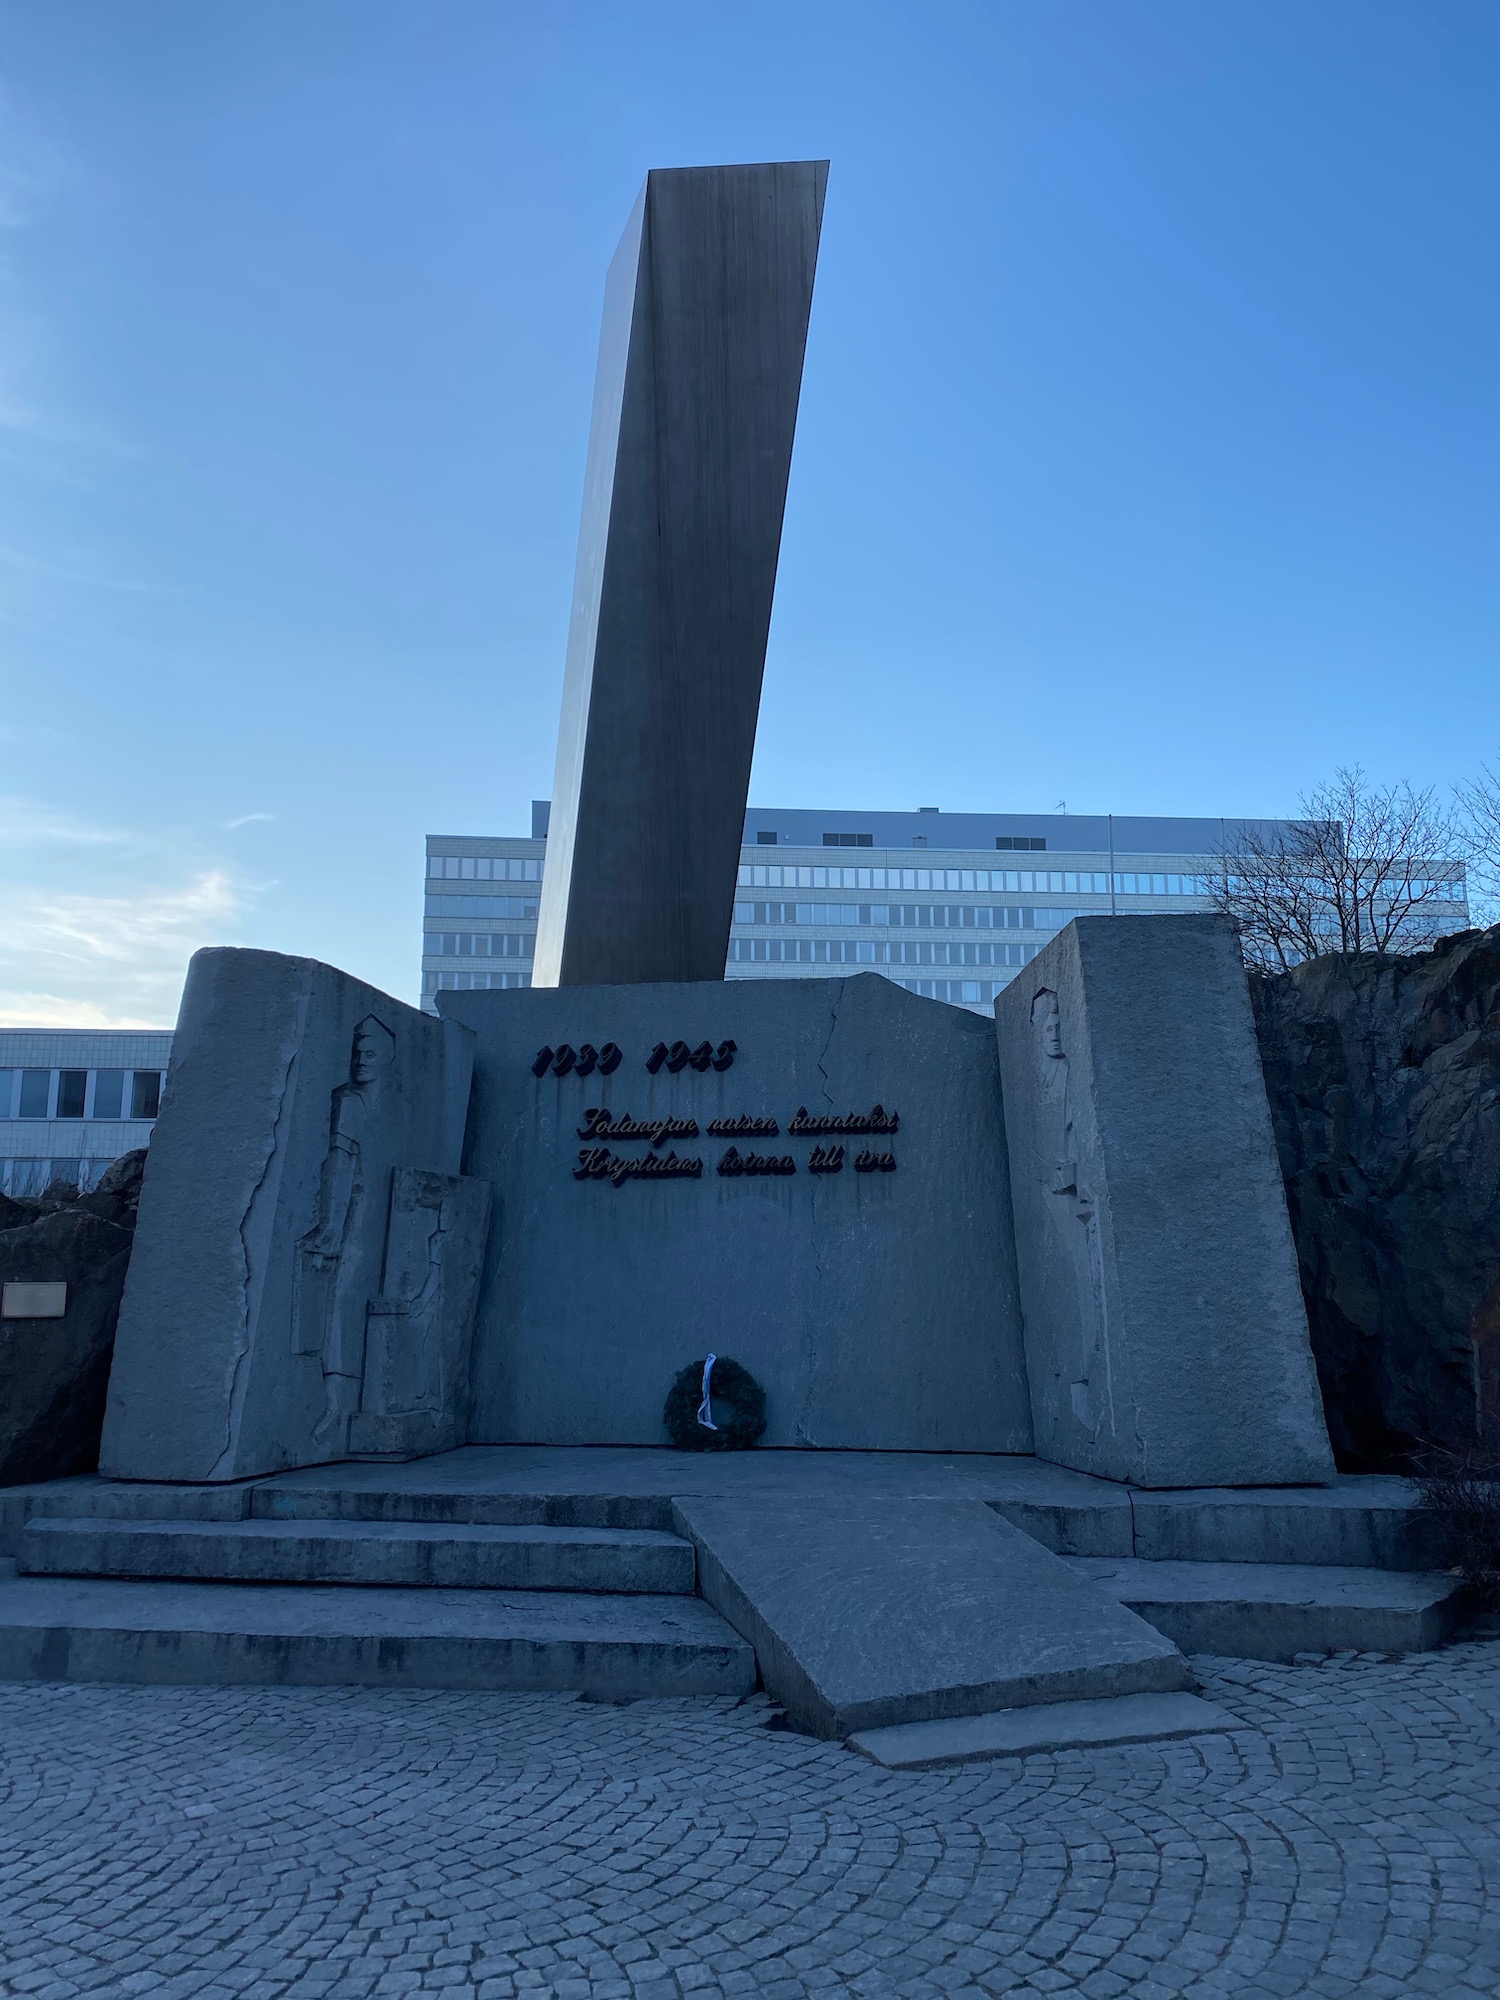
point(1274, 1611)
point(863, 1615)
point(1050, 1725)
point(76, 1629)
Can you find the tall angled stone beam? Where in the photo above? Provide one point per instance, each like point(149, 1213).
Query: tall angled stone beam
point(695, 404)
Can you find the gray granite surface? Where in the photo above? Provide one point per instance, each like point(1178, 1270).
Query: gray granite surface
point(876, 1308)
point(1166, 1341)
point(294, 1093)
point(864, 1614)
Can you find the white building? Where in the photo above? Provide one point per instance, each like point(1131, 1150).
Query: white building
point(73, 1099)
point(951, 905)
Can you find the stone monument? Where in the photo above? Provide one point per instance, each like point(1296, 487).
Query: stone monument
point(695, 402)
point(920, 1230)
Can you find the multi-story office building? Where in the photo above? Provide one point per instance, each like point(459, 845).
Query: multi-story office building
point(951, 905)
point(73, 1099)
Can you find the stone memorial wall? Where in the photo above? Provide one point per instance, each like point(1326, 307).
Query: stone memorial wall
point(807, 1176)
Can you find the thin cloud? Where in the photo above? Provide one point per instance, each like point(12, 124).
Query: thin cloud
point(59, 1010)
point(25, 824)
point(246, 819)
point(108, 960)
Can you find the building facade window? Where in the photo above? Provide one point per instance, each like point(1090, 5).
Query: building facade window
point(36, 1093)
point(72, 1091)
point(109, 1092)
point(145, 1093)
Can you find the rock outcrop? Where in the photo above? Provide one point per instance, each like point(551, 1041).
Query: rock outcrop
point(54, 1372)
point(1384, 1079)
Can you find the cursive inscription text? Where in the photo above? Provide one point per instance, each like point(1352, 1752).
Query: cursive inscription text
point(598, 1163)
point(878, 1120)
point(735, 1162)
point(746, 1126)
point(602, 1123)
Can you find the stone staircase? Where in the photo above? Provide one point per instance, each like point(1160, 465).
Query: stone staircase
point(872, 1592)
point(608, 1611)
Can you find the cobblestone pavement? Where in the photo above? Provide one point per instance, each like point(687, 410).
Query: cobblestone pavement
point(242, 1844)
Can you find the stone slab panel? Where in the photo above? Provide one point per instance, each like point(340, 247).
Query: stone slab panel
point(864, 1615)
point(1051, 1725)
point(232, 1635)
point(415, 1555)
point(877, 1308)
point(695, 404)
point(1166, 1341)
point(1273, 1611)
point(294, 1094)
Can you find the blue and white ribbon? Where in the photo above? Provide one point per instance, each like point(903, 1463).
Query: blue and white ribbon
point(705, 1408)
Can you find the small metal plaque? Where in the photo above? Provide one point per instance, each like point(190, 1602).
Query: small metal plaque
point(20, 1300)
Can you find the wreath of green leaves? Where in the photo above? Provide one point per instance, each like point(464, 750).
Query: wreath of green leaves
point(731, 1388)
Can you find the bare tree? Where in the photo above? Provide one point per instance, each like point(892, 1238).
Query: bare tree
point(1367, 868)
point(1479, 808)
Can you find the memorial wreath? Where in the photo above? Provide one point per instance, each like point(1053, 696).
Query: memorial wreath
point(697, 1401)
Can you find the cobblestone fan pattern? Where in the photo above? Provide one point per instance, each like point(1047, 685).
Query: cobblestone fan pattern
point(255, 1843)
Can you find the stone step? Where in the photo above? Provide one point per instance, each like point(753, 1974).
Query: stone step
point(213, 1634)
point(1365, 1521)
point(453, 1556)
point(1050, 1725)
point(635, 1487)
point(1273, 1611)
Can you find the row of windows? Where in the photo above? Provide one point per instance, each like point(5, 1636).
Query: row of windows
point(1445, 889)
point(80, 1093)
point(478, 944)
point(473, 982)
point(1022, 881)
point(958, 992)
point(1012, 842)
point(481, 868)
point(495, 908)
point(20, 1176)
point(907, 916)
point(873, 951)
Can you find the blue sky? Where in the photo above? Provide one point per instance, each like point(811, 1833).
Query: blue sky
point(1149, 454)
